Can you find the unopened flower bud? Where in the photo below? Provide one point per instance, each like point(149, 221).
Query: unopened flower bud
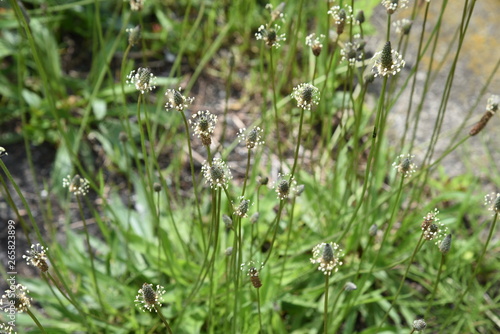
point(360, 17)
point(445, 245)
point(228, 222)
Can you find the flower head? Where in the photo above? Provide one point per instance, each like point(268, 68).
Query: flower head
point(16, 297)
point(432, 228)
point(255, 218)
point(143, 80)
point(327, 255)
point(37, 257)
point(387, 62)
point(419, 325)
point(285, 187)
point(136, 5)
point(492, 201)
point(253, 138)
point(253, 273)
point(404, 165)
point(76, 185)
point(217, 174)
point(6, 329)
point(177, 101)
point(342, 16)
point(315, 43)
point(491, 108)
point(203, 123)
point(270, 35)
point(147, 298)
point(276, 13)
point(360, 17)
point(402, 26)
point(241, 209)
point(3, 152)
point(133, 35)
point(306, 95)
point(228, 222)
point(392, 5)
point(492, 104)
point(352, 52)
point(445, 245)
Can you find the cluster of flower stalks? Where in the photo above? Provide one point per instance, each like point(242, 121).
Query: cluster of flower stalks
point(211, 253)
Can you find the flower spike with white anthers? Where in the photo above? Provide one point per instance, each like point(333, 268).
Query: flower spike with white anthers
point(327, 255)
point(306, 96)
point(217, 174)
point(387, 62)
point(76, 185)
point(148, 298)
point(405, 165)
point(177, 101)
point(37, 257)
point(143, 80)
point(433, 229)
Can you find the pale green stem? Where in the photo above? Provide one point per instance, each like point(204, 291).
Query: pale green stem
point(275, 106)
point(395, 298)
point(325, 311)
point(91, 254)
point(258, 309)
point(163, 319)
point(296, 155)
point(38, 324)
point(277, 223)
point(193, 178)
point(246, 172)
point(290, 224)
point(433, 294)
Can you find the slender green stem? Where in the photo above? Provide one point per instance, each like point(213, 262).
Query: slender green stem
point(434, 290)
point(395, 298)
point(38, 324)
point(290, 224)
point(158, 232)
point(325, 310)
point(368, 162)
point(314, 70)
point(91, 254)
point(413, 85)
point(163, 319)
point(238, 252)
point(395, 207)
point(388, 35)
point(227, 95)
point(193, 178)
point(143, 144)
point(276, 225)
point(296, 155)
point(275, 105)
point(67, 295)
point(334, 304)
point(249, 153)
point(258, 310)
point(216, 202)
